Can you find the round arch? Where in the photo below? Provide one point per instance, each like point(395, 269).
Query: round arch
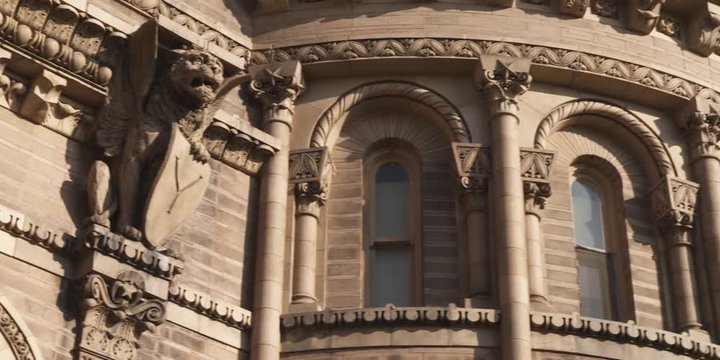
point(16, 341)
point(333, 118)
point(557, 120)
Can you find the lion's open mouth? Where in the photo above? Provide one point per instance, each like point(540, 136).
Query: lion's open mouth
point(204, 81)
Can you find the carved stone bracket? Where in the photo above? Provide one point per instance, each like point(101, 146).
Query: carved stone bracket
point(244, 148)
point(574, 7)
point(673, 202)
point(114, 316)
point(503, 79)
point(535, 171)
point(310, 171)
point(277, 86)
point(472, 164)
point(643, 15)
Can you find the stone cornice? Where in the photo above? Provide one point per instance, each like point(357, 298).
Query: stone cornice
point(17, 225)
point(623, 332)
point(245, 147)
point(201, 303)
point(391, 315)
point(466, 48)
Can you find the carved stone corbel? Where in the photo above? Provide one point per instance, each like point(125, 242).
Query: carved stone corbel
point(472, 164)
point(310, 171)
point(12, 87)
point(702, 33)
point(114, 316)
point(237, 148)
point(574, 7)
point(643, 15)
point(673, 201)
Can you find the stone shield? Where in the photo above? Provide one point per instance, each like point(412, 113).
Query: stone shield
point(178, 188)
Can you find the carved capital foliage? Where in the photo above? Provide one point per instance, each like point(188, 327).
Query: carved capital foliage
point(115, 315)
point(703, 33)
point(574, 7)
point(472, 164)
point(535, 171)
point(310, 171)
point(503, 79)
point(703, 128)
point(277, 86)
point(673, 202)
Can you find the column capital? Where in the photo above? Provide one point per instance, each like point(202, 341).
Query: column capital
point(673, 201)
point(503, 79)
point(277, 86)
point(115, 314)
point(535, 172)
point(701, 120)
point(472, 165)
point(310, 171)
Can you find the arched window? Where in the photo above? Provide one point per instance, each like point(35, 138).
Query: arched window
point(595, 269)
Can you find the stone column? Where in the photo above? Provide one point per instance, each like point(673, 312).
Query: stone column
point(472, 165)
point(673, 202)
point(309, 172)
point(503, 79)
point(535, 167)
point(276, 86)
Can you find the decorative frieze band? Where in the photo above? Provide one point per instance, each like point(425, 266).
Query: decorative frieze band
point(202, 303)
point(391, 315)
point(623, 332)
point(465, 48)
point(17, 225)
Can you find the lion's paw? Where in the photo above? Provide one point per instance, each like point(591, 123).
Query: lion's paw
point(131, 233)
point(199, 152)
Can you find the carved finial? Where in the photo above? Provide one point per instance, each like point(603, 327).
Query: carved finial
point(535, 171)
point(115, 315)
point(504, 78)
point(277, 85)
point(310, 170)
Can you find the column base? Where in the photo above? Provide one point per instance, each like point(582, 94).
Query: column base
point(698, 333)
point(304, 307)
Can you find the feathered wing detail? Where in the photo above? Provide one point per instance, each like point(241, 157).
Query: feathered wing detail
point(133, 75)
point(224, 89)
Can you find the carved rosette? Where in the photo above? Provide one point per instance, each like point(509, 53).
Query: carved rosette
point(535, 171)
point(503, 79)
point(673, 202)
point(277, 86)
point(310, 170)
point(115, 315)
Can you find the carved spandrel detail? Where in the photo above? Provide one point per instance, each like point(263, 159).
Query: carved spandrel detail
point(310, 171)
point(472, 165)
point(114, 316)
point(535, 166)
point(277, 86)
point(503, 79)
point(673, 201)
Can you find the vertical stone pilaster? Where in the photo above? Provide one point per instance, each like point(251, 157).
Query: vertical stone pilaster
point(114, 316)
point(309, 172)
point(535, 170)
point(503, 79)
point(276, 86)
point(472, 164)
point(673, 202)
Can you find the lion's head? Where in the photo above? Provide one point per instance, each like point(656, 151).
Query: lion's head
point(196, 75)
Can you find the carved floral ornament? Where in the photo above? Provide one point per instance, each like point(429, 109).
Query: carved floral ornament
point(472, 164)
point(310, 171)
point(673, 202)
point(277, 85)
point(535, 172)
point(503, 78)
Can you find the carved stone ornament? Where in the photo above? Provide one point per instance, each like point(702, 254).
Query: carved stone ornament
point(606, 8)
point(472, 164)
point(574, 7)
point(673, 202)
point(703, 128)
point(151, 130)
point(114, 317)
point(13, 332)
point(535, 172)
point(239, 148)
point(503, 78)
point(310, 170)
point(277, 86)
point(703, 33)
point(643, 15)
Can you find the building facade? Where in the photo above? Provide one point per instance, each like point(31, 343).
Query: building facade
point(359, 179)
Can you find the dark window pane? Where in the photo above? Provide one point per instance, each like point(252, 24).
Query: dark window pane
point(391, 201)
point(390, 276)
point(594, 285)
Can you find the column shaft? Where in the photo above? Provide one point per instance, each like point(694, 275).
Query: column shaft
point(477, 245)
point(536, 263)
point(707, 170)
point(306, 224)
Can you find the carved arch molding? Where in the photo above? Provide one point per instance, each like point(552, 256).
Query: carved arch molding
point(16, 335)
point(334, 115)
point(557, 120)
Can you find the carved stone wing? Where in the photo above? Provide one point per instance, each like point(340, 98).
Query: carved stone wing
point(133, 75)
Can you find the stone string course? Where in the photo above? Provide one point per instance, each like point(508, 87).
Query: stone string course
point(464, 48)
point(202, 303)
